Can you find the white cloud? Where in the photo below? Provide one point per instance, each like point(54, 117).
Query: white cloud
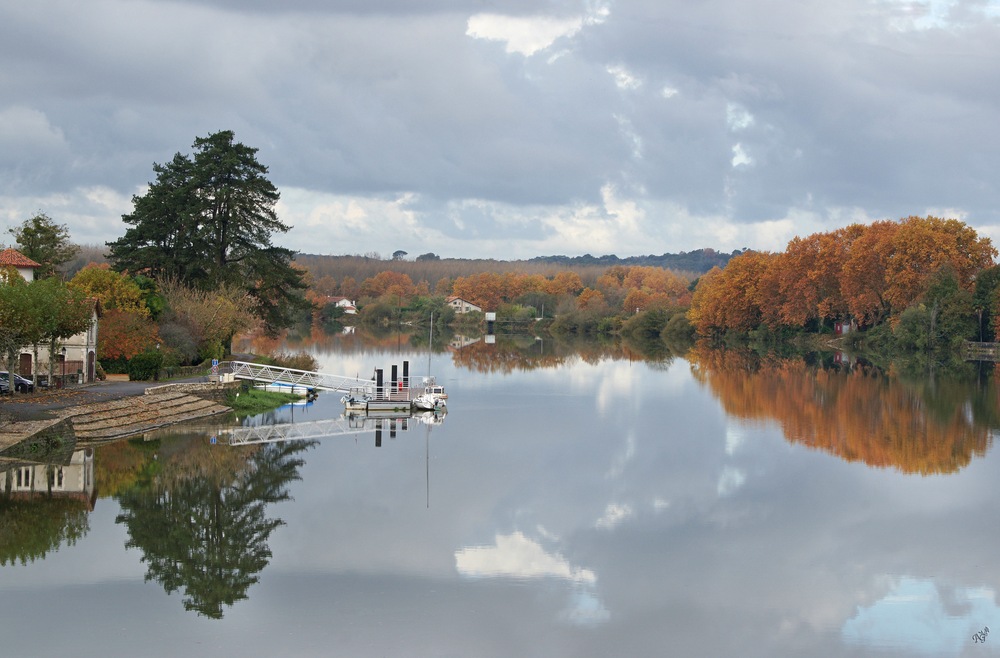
point(516, 556)
point(738, 117)
point(730, 480)
point(624, 79)
point(734, 439)
point(740, 157)
point(613, 515)
point(93, 214)
point(525, 35)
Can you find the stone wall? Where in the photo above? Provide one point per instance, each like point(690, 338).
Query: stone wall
point(215, 391)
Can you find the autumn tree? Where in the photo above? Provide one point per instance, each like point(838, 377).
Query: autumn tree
point(123, 334)
point(209, 318)
point(114, 290)
point(388, 283)
point(590, 300)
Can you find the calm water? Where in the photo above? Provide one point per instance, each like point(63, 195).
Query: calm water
point(565, 506)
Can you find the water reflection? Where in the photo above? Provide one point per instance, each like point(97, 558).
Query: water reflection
point(856, 410)
point(199, 517)
point(923, 617)
point(45, 505)
point(255, 430)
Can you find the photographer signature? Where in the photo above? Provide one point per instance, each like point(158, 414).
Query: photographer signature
point(981, 635)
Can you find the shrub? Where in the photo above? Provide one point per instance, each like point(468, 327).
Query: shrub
point(145, 366)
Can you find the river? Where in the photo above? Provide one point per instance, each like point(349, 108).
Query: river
point(570, 503)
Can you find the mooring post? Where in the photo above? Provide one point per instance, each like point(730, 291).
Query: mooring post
point(379, 393)
point(406, 374)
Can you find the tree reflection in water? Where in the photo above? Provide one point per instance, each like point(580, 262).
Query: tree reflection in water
point(859, 412)
point(201, 521)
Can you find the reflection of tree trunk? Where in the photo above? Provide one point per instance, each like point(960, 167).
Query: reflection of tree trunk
point(932, 337)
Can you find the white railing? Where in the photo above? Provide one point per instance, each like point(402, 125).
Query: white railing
point(292, 377)
point(344, 425)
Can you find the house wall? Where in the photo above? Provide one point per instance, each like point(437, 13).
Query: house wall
point(79, 349)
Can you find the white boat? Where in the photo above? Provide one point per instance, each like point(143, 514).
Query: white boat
point(433, 396)
point(426, 402)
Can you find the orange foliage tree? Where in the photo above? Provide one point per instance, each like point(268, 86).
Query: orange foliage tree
point(871, 273)
point(123, 334)
point(390, 283)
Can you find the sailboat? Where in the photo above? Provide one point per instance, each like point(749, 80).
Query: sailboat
point(433, 397)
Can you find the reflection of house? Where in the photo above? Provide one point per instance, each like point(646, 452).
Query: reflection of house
point(74, 480)
point(344, 303)
point(77, 356)
point(459, 341)
point(462, 306)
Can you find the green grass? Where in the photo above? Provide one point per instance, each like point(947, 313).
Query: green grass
point(254, 401)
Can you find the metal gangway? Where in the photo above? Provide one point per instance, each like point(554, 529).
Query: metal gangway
point(291, 377)
point(349, 424)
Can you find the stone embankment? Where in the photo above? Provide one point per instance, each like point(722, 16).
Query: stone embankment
point(124, 416)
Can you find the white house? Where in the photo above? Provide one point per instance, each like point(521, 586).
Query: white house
point(344, 303)
point(77, 356)
point(462, 306)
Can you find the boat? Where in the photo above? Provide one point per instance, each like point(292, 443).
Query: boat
point(432, 398)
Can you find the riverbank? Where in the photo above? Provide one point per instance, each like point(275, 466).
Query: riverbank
point(107, 410)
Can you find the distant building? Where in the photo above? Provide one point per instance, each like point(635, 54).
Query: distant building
point(462, 306)
point(77, 358)
point(344, 303)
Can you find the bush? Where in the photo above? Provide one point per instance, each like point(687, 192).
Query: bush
point(678, 330)
point(144, 367)
point(117, 366)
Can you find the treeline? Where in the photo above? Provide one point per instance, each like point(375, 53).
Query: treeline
point(698, 261)
point(426, 269)
point(928, 281)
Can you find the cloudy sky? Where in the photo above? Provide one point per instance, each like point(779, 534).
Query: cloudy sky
point(479, 128)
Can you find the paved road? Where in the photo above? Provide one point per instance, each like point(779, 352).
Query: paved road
point(33, 406)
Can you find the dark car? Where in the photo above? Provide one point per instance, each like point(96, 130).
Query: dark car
point(21, 385)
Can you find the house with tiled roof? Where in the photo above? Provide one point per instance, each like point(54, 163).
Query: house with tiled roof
point(76, 360)
point(342, 302)
point(462, 306)
point(24, 265)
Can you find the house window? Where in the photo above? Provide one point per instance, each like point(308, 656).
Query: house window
point(24, 477)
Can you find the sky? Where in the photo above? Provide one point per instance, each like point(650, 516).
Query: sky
point(509, 130)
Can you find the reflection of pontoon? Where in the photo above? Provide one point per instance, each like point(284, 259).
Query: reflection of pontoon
point(351, 423)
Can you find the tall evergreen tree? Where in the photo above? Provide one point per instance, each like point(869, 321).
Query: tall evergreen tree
point(207, 221)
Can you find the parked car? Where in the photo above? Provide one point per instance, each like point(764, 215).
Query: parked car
point(21, 385)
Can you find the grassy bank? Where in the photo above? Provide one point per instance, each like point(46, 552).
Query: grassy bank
point(252, 401)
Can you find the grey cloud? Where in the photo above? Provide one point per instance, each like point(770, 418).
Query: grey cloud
point(384, 98)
